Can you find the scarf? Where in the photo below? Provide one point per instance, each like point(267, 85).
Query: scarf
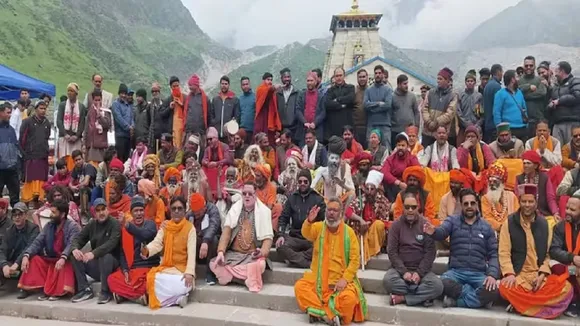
point(55, 239)
point(568, 231)
point(440, 164)
point(310, 158)
point(122, 206)
point(137, 160)
point(478, 159)
point(94, 118)
point(549, 144)
point(153, 159)
point(220, 153)
point(273, 118)
point(169, 232)
point(128, 244)
point(71, 116)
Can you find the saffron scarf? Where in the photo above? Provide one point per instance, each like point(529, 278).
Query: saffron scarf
point(169, 232)
point(479, 156)
point(262, 93)
point(127, 243)
point(549, 144)
point(122, 206)
point(72, 116)
point(568, 228)
point(220, 153)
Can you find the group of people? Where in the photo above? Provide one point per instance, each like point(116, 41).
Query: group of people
point(329, 176)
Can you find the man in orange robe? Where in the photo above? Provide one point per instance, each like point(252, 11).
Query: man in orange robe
point(266, 192)
point(173, 187)
point(154, 208)
point(414, 178)
point(498, 203)
point(330, 290)
point(267, 117)
point(119, 204)
point(268, 153)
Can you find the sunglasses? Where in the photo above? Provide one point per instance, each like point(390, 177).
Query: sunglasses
point(303, 182)
point(410, 207)
point(247, 194)
point(528, 66)
point(470, 203)
point(576, 136)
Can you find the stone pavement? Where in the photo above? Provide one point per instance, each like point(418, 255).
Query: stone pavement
point(274, 305)
point(37, 322)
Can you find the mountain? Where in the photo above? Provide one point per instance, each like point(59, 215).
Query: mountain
point(135, 41)
point(527, 23)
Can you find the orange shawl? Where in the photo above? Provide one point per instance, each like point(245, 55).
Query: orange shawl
point(267, 195)
point(262, 93)
point(122, 206)
point(127, 243)
point(549, 144)
point(480, 158)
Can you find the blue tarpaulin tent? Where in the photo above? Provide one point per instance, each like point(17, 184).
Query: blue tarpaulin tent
point(12, 81)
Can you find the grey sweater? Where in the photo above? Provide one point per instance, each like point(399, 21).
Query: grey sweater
point(378, 114)
point(405, 111)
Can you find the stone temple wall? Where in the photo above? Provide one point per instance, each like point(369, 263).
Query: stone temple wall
point(414, 83)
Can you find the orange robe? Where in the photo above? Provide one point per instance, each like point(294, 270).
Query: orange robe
point(428, 209)
point(496, 220)
point(268, 197)
point(155, 211)
point(335, 256)
point(270, 158)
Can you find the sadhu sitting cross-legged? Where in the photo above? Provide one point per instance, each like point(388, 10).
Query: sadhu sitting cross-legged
point(330, 290)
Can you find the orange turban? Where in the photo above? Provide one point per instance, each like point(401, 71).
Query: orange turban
point(416, 171)
point(463, 176)
point(196, 202)
point(147, 187)
point(265, 170)
point(498, 170)
point(171, 172)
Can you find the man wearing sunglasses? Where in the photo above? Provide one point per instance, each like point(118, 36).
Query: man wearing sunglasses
point(534, 92)
point(470, 281)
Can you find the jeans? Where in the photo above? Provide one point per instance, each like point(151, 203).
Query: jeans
point(98, 269)
point(467, 288)
point(9, 178)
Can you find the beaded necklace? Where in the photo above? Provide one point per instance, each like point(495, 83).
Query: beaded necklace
point(497, 215)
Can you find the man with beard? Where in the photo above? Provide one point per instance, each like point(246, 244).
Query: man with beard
point(160, 117)
point(286, 144)
point(353, 148)
point(359, 115)
point(268, 152)
point(440, 108)
point(450, 203)
point(362, 166)
point(534, 91)
point(266, 192)
point(369, 216)
point(169, 155)
point(547, 146)
point(245, 242)
point(491, 89)
point(240, 145)
point(116, 170)
point(206, 219)
point(197, 116)
point(565, 248)
point(414, 178)
point(469, 105)
point(82, 181)
point(267, 119)
point(141, 116)
point(570, 151)
point(484, 75)
point(225, 107)
point(151, 169)
point(293, 247)
point(378, 103)
point(318, 292)
point(339, 103)
point(509, 106)
point(154, 205)
point(565, 105)
point(336, 177)
point(118, 204)
point(395, 165)
point(173, 186)
point(410, 279)
point(506, 145)
point(524, 242)
point(288, 179)
point(405, 107)
point(497, 204)
point(123, 122)
point(247, 109)
point(287, 96)
point(127, 283)
point(474, 154)
point(103, 233)
point(252, 158)
point(415, 145)
point(439, 156)
point(216, 158)
point(70, 120)
point(470, 281)
point(314, 153)
point(547, 204)
point(45, 263)
point(193, 146)
point(196, 181)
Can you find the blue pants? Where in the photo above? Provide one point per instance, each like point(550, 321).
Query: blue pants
point(472, 283)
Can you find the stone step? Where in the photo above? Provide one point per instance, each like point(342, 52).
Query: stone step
point(282, 298)
point(199, 314)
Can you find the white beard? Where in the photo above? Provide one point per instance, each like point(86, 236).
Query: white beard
point(172, 189)
point(332, 224)
point(495, 195)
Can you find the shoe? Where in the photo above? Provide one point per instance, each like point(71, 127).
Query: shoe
point(449, 302)
point(53, 298)
point(182, 302)
point(572, 310)
point(117, 298)
point(428, 303)
point(83, 295)
point(314, 319)
point(143, 300)
point(509, 308)
point(104, 298)
point(43, 297)
point(210, 279)
point(22, 295)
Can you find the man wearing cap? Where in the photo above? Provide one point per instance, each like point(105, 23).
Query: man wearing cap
point(395, 165)
point(169, 155)
point(527, 283)
point(70, 120)
point(193, 145)
point(5, 221)
point(506, 145)
point(128, 282)
point(142, 116)
point(547, 146)
point(9, 155)
point(498, 203)
point(173, 185)
point(450, 204)
point(217, 153)
point(336, 176)
point(103, 232)
point(161, 117)
point(484, 75)
point(414, 178)
point(293, 248)
point(225, 107)
point(440, 109)
point(34, 135)
point(362, 165)
point(18, 237)
point(439, 156)
point(197, 114)
point(46, 263)
point(154, 205)
point(266, 191)
point(474, 154)
point(124, 124)
point(369, 216)
point(547, 204)
point(206, 219)
point(97, 128)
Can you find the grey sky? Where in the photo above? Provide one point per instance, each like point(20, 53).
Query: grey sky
point(433, 24)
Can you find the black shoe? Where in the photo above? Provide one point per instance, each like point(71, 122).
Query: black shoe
point(83, 295)
point(43, 297)
point(104, 298)
point(428, 303)
point(22, 295)
point(572, 310)
point(210, 279)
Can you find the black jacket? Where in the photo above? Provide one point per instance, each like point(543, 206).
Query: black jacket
point(568, 96)
point(16, 241)
point(162, 116)
point(142, 117)
point(104, 237)
point(518, 240)
point(559, 251)
point(213, 230)
point(296, 210)
point(34, 135)
point(339, 104)
point(287, 110)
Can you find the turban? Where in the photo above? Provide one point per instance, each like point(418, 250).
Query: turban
point(212, 132)
point(463, 176)
point(294, 153)
point(4, 203)
point(504, 126)
point(498, 170)
point(412, 130)
point(336, 145)
point(170, 173)
point(74, 87)
point(196, 202)
point(194, 80)
point(415, 171)
point(377, 132)
point(532, 156)
point(116, 164)
point(471, 75)
point(375, 178)
point(147, 187)
point(242, 133)
point(306, 174)
point(363, 157)
point(193, 139)
point(137, 201)
point(265, 170)
point(446, 73)
point(151, 159)
point(528, 189)
point(472, 129)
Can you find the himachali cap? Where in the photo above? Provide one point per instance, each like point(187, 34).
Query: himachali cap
point(504, 126)
point(528, 189)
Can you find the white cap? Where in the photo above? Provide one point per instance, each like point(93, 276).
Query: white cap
point(375, 178)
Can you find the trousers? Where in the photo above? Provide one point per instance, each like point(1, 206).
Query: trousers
point(297, 251)
point(98, 269)
point(429, 288)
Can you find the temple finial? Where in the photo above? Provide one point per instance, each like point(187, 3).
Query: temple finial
point(354, 6)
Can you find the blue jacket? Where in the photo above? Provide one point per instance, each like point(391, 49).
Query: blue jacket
point(9, 149)
point(378, 114)
point(506, 108)
point(141, 235)
point(492, 87)
point(248, 111)
point(473, 247)
point(123, 116)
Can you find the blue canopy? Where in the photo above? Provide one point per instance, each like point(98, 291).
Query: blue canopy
point(12, 81)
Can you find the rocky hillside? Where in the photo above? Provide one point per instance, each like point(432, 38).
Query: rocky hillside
point(528, 23)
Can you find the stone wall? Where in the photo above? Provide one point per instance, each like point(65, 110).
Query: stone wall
point(414, 83)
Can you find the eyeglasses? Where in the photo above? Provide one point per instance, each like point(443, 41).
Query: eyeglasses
point(303, 182)
point(248, 194)
point(410, 207)
point(528, 66)
point(470, 203)
point(576, 136)
point(178, 209)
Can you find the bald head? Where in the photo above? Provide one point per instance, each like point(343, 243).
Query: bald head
point(573, 209)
